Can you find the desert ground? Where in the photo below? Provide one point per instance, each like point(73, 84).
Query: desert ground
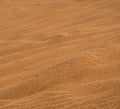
point(59, 54)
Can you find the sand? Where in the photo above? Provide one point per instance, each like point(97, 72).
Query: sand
point(59, 54)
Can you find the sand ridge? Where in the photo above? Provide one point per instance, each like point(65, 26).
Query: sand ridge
point(59, 54)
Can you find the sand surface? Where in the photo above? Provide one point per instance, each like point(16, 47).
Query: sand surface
point(59, 54)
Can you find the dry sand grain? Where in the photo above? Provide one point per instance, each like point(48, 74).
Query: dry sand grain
point(59, 54)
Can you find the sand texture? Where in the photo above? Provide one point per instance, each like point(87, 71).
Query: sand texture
point(59, 54)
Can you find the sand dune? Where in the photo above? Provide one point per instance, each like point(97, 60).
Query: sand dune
point(59, 54)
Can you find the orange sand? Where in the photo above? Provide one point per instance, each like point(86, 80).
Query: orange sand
point(59, 54)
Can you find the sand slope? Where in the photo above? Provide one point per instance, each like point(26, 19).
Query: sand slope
point(59, 54)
